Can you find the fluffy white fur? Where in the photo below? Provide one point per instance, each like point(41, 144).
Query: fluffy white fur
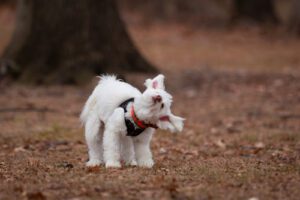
point(105, 129)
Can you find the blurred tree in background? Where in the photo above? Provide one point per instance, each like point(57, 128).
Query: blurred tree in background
point(65, 41)
point(294, 22)
point(259, 11)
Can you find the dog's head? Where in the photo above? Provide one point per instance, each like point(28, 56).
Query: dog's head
point(155, 106)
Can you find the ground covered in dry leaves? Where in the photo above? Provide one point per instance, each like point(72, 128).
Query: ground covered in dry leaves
point(238, 90)
point(241, 140)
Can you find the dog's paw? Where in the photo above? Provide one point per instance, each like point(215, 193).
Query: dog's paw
point(147, 163)
point(112, 164)
point(93, 163)
point(131, 163)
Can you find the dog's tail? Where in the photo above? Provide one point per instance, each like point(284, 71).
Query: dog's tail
point(91, 102)
point(107, 78)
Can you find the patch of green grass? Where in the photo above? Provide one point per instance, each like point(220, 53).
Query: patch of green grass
point(250, 137)
point(209, 173)
point(56, 131)
point(283, 136)
point(290, 169)
point(250, 174)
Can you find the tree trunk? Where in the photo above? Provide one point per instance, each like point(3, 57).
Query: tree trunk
point(294, 22)
point(67, 41)
point(258, 11)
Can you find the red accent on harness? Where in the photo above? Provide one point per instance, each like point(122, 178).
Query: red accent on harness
point(140, 123)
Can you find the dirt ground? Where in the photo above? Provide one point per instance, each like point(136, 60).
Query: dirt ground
point(239, 91)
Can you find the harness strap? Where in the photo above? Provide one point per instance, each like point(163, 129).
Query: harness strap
point(135, 127)
point(138, 122)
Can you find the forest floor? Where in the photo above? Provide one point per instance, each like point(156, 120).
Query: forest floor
point(239, 91)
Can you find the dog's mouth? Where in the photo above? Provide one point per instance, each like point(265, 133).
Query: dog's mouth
point(164, 118)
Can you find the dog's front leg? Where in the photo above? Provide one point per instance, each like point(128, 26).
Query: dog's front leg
point(142, 148)
point(111, 140)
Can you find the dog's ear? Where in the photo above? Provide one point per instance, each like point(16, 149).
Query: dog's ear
point(171, 122)
point(156, 83)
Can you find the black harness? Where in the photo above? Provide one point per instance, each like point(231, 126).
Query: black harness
point(132, 129)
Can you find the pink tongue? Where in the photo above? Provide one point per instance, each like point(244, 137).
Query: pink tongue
point(164, 118)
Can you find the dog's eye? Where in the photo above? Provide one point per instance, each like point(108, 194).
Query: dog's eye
point(162, 106)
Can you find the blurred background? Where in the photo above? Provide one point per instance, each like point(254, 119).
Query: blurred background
point(232, 67)
point(216, 13)
point(251, 34)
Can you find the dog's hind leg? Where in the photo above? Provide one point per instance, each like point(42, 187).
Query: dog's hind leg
point(93, 136)
point(114, 128)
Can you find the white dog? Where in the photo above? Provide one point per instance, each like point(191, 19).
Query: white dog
point(120, 121)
